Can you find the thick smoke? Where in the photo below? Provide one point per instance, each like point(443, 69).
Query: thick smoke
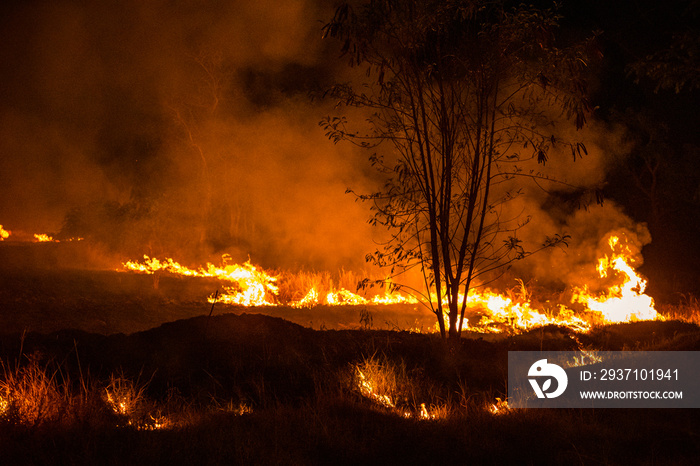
point(186, 129)
point(568, 205)
point(183, 129)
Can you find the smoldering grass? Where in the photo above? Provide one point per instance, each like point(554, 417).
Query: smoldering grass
point(442, 412)
point(687, 310)
point(377, 380)
point(126, 398)
point(294, 287)
point(40, 394)
point(395, 387)
point(34, 393)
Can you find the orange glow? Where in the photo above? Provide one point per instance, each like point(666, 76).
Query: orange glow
point(624, 301)
point(500, 313)
point(487, 311)
point(4, 234)
point(42, 238)
point(245, 284)
point(499, 407)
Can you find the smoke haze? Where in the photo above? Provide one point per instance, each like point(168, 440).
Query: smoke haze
point(186, 128)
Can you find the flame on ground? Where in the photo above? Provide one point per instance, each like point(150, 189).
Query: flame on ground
point(500, 407)
point(345, 297)
point(249, 285)
point(501, 312)
point(388, 386)
point(368, 389)
point(20, 236)
point(491, 312)
point(622, 302)
point(245, 284)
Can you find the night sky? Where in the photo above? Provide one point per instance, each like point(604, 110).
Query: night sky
point(191, 128)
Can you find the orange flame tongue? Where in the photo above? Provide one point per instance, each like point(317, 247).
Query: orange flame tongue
point(250, 286)
point(4, 234)
point(623, 302)
point(511, 312)
point(504, 313)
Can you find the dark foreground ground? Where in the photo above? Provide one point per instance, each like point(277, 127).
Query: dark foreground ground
point(245, 388)
point(253, 389)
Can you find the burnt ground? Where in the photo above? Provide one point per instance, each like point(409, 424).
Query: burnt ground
point(84, 326)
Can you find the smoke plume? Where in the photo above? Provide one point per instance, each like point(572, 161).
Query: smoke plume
point(186, 129)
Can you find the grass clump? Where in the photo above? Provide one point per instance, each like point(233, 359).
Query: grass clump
point(33, 394)
point(392, 386)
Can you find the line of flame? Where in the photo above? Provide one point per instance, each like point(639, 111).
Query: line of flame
point(249, 285)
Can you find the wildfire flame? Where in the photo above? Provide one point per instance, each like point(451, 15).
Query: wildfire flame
point(368, 390)
point(502, 312)
point(346, 297)
point(624, 301)
point(252, 286)
point(249, 286)
point(42, 238)
point(20, 236)
point(310, 299)
point(500, 407)
point(491, 311)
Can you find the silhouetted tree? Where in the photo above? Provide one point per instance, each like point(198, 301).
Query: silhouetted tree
point(466, 93)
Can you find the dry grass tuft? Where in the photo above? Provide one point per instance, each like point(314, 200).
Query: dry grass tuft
point(32, 394)
point(125, 397)
point(688, 310)
point(377, 380)
point(392, 386)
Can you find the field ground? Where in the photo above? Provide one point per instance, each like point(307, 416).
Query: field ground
point(100, 367)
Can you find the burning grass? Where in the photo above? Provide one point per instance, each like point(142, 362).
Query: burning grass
point(687, 310)
point(32, 394)
point(240, 389)
point(389, 385)
point(622, 298)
